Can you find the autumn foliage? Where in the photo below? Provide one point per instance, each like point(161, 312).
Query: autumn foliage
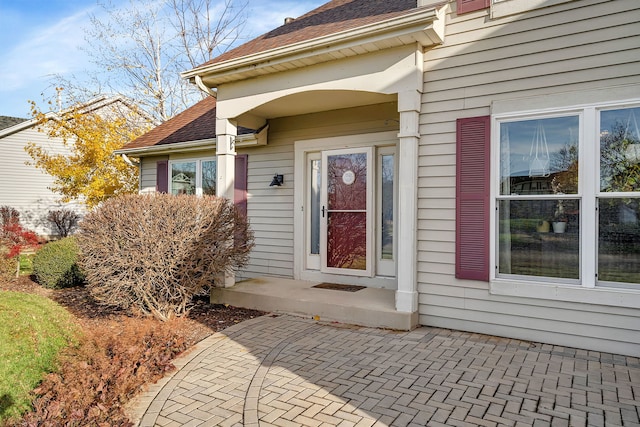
point(90, 172)
point(153, 253)
point(103, 371)
point(13, 240)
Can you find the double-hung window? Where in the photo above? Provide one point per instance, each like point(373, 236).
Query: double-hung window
point(567, 196)
point(196, 176)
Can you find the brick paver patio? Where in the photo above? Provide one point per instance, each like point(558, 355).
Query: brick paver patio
point(288, 371)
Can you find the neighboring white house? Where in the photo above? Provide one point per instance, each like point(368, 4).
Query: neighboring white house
point(427, 147)
point(22, 185)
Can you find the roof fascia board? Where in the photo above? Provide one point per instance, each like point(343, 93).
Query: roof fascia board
point(25, 125)
point(403, 25)
point(17, 127)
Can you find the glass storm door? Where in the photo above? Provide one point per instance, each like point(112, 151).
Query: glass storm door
point(346, 199)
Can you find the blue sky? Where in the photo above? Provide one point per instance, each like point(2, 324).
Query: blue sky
point(39, 38)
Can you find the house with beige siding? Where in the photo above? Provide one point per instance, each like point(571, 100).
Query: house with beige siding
point(476, 158)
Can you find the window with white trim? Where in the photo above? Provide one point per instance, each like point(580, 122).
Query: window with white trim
point(567, 197)
point(197, 176)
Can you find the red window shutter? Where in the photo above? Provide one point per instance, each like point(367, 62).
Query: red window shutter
point(162, 176)
point(472, 198)
point(240, 188)
point(464, 6)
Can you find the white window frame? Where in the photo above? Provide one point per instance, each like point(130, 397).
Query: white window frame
point(198, 161)
point(588, 290)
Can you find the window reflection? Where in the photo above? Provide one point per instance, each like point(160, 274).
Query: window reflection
point(209, 177)
point(387, 206)
point(619, 240)
point(183, 178)
point(316, 179)
point(539, 156)
point(620, 150)
point(535, 241)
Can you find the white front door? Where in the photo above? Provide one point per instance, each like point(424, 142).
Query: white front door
point(346, 210)
point(346, 201)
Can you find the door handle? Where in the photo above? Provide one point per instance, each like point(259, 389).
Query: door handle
point(323, 212)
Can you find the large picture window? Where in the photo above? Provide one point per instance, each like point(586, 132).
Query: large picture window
point(196, 177)
point(539, 207)
point(557, 213)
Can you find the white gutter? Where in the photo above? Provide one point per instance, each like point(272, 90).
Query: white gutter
point(410, 23)
point(247, 140)
point(206, 89)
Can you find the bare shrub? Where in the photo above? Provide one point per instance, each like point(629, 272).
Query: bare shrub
point(153, 253)
point(9, 216)
point(63, 220)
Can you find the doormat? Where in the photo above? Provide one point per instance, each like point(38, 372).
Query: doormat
point(338, 287)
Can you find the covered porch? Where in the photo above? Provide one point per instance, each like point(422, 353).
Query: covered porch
point(371, 307)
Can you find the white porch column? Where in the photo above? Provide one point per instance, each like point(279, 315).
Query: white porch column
point(409, 103)
point(226, 132)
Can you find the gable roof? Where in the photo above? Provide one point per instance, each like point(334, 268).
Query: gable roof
point(196, 123)
point(193, 124)
point(8, 121)
point(330, 18)
point(339, 29)
point(101, 103)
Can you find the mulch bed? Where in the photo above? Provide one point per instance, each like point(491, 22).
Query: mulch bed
point(204, 319)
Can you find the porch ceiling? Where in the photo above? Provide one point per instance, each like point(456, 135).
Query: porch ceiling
point(316, 101)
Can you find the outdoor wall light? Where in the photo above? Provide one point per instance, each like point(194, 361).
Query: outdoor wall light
point(277, 180)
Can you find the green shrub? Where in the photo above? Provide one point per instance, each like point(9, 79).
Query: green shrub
point(56, 264)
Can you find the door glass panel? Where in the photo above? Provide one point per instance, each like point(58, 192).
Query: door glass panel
point(346, 240)
point(347, 211)
point(386, 228)
point(316, 180)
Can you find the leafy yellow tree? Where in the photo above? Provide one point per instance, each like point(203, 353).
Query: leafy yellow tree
point(90, 172)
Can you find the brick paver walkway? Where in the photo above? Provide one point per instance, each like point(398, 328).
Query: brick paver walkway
point(288, 371)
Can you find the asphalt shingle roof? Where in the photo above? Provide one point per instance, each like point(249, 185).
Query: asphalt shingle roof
point(330, 18)
point(7, 121)
point(198, 122)
point(193, 124)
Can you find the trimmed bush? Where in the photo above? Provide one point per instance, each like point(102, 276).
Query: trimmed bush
point(153, 253)
point(55, 265)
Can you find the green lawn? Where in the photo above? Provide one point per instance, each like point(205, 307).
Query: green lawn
point(32, 331)
point(26, 263)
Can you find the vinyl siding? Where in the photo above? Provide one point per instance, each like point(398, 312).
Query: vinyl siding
point(26, 188)
point(571, 47)
point(148, 173)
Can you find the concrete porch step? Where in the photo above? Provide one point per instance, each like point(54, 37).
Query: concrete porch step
point(367, 307)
